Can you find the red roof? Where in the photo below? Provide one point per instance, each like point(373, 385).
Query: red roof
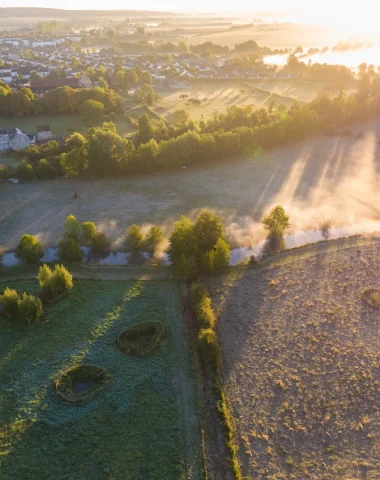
point(43, 128)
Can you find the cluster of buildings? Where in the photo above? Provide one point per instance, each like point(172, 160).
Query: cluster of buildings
point(38, 42)
point(16, 139)
point(56, 53)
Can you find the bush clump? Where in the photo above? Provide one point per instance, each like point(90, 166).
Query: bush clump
point(29, 249)
point(205, 320)
point(27, 307)
point(9, 302)
point(75, 235)
point(30, 308)
point(371, 295)
point(209, 346)
point(141, 339)
point(198, 247)
point(135, 238)
point(92, 238)
point(69, 249)
point(54, 283)
point(202, 306)
point(82, 382)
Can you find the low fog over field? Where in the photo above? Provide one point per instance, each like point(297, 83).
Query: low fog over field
point(323, 178)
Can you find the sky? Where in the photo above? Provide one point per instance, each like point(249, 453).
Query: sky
point(321, 7)
point(364, 13)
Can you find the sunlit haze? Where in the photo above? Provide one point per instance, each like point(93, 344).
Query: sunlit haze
point(357, 18)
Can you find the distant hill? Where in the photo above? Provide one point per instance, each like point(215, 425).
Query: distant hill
point(32, 12)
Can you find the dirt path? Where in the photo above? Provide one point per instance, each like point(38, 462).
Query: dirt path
point(184, 383)
point(214, 442)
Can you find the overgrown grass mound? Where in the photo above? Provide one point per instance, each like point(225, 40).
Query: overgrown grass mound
point(371, 295)
point(80, 383)
point(141, 339)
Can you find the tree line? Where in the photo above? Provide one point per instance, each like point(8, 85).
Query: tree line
point(103, 152)
point(23, 102)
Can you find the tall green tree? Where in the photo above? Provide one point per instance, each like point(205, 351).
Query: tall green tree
point(208, 229)
point(145, 129)
point(29, 249)
point(276, 222)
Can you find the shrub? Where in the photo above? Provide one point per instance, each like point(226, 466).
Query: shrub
point(197, 293)
point(100, 242)
point(202, 307)
point(325, 228)
point(44, 273)
point(153, 238)
point(29, 249)
point(209, 346)
point(7, 172)
point(9, 302)
point(92, 238)
point(30, 308)
point(221, 254)
point(46, 171)
point(72, 228)
point(186, 267)
point(276, 222)
point(135, 237)
point(252, 260)
point(92, 109)
point(54, 283)
point(88, 232)
point(69, 249)
point(25, 172)
point(371, 295)
point(204, 313)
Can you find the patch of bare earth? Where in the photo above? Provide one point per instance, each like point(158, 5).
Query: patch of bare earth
point(301, 365)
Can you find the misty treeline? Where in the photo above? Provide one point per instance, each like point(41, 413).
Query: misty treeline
point(23, 102)
point(103, 152)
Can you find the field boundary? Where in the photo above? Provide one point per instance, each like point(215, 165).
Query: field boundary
point(215, 450)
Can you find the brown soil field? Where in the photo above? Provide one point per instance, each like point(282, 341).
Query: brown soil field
point(325, 177)
point(301, 356)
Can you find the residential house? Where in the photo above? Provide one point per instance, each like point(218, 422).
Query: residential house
point(19, 139)
point(44, 132)
point(5, 142)
point(43, 85)
point(6, 76)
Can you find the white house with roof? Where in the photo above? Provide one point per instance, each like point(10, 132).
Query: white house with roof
point(14, 139)
point(5, 142)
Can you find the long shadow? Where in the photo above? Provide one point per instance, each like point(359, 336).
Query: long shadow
point(235, 187)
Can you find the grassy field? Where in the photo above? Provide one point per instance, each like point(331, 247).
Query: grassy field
point(271, 35)
point(300, 177)
point(301, 363)
point(60, 124)
point(145, 426)
point(226, 93)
